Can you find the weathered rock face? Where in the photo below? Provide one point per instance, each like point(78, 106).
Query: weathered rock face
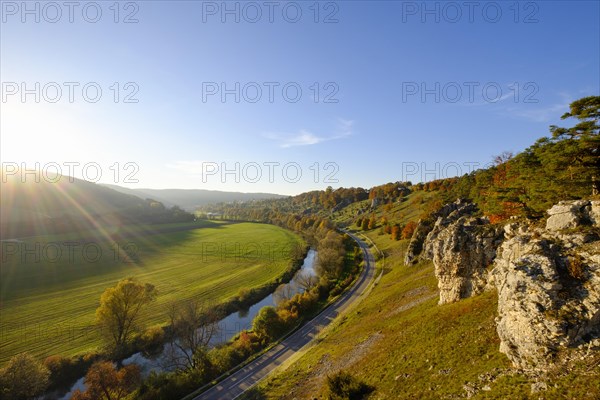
point(571, 214)
point(449, 213)
point(461, 246)
point(462, 252)
point(548, 286)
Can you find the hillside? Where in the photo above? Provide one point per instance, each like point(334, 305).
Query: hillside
point(404, 345)
point(191, 199)
point(67, 204)
point(493, 295)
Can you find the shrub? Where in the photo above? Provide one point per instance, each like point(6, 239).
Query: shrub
point(64, 371)
point(267, 324)
point(23, 378)
point(344, 386)
point(576, 267)
point(408, 230)
point(151, 341)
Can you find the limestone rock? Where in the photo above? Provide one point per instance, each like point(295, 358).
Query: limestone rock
point(462, 247)
point(571, 214)
point(448, 213)
point(548, 286)
point(461, 253)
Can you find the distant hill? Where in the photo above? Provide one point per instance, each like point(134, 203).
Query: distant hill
point(191, 199)
point(70, 204)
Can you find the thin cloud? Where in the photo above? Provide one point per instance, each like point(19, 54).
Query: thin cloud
point(541, 114)
point(305, 138)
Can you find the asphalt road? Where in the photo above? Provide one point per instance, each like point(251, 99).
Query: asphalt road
point(243, 379)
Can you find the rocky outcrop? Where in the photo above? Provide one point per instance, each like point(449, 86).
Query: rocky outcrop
point(462, 248)
point(548, 285)
point(447, 214)
point(547, 278)
point(415, 246)
point(461, 254)
point(571, 214)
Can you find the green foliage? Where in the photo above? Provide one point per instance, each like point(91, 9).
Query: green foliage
point(330, 256)
point(267, 324)
point(564, 166)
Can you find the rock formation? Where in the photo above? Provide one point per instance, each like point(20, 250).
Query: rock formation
point(547, 278)
point(461, 254)
point(448, 213)
point(461, 246)
point(548, 285)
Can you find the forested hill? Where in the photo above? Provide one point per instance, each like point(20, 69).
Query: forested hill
point(190, 199)
point(562, 166)
point(32, 206)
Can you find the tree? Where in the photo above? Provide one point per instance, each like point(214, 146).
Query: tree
point(365, 224)
point(267, 324)
point(344, 386)
point(396, 232)
point(408, 230)
point(193, 326)
point(372, 222)
point(305, 280)
point(330, 255)
point(587, 134)
point(120, 309)
point(104, 382)
point(23, 378)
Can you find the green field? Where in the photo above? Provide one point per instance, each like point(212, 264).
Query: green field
point(50, 292)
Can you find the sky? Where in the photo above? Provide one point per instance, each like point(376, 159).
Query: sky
point(285, 97)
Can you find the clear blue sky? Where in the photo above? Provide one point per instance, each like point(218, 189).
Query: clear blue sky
point(375, 61)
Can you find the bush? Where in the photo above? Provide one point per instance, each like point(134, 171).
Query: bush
point(151, 341)
point(576, 267)
point(267, 324)
point(64, 371)
point(408, 230)
point(23, 378)
point(175, 385)
point(344, 386)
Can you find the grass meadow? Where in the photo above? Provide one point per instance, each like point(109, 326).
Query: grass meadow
point(51, 285)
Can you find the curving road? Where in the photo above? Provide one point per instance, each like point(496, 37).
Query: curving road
point(243, 379)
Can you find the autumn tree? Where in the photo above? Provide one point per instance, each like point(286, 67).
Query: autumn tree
point(408, 230)
point(396, 232)
point(372, 222)
point(23, 378)
point(120, 308)
point(330, 255)
point(104, 382)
